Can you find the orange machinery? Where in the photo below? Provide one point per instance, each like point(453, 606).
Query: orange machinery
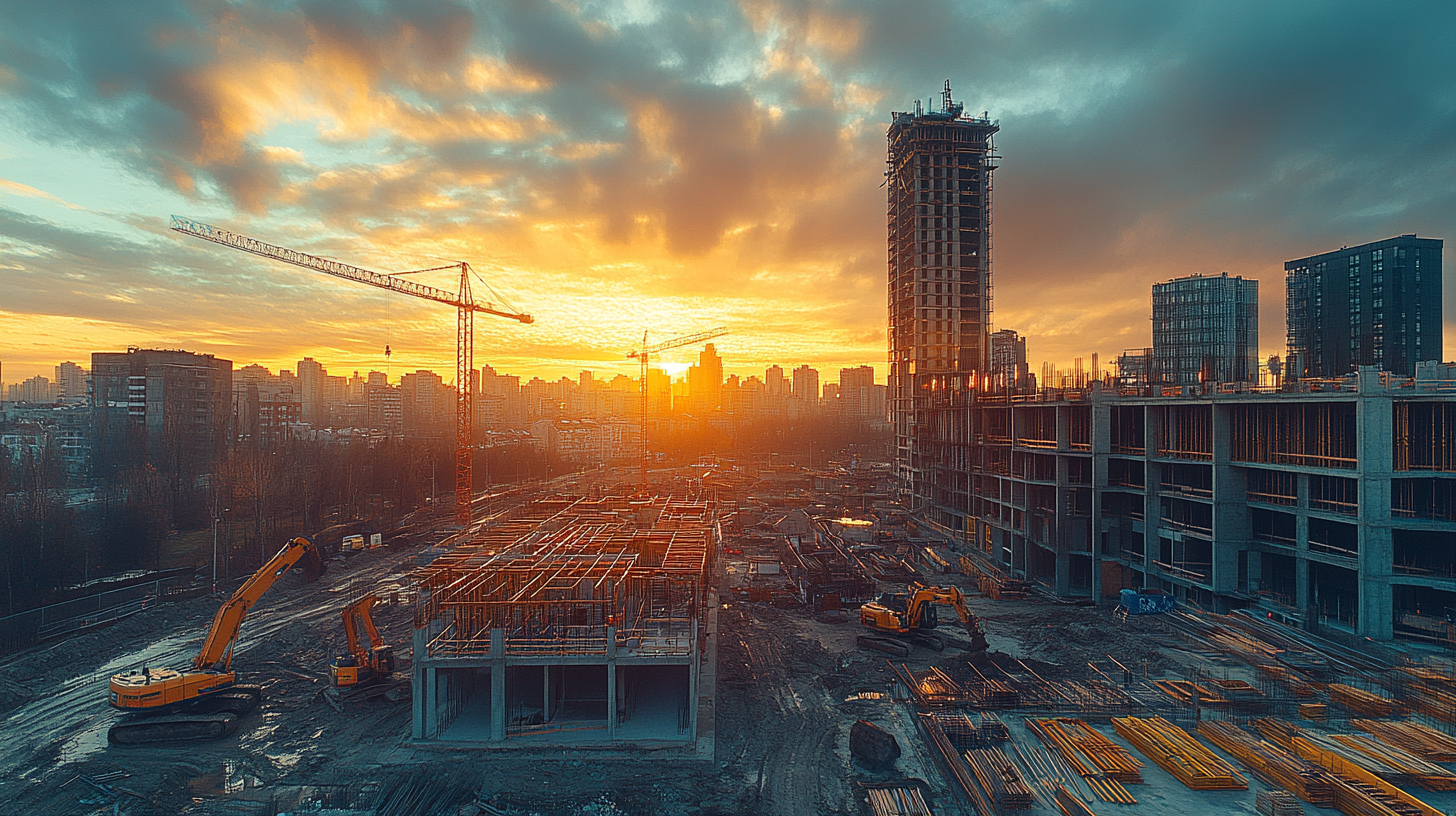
point(204, 700)
point(364, 664)
point(912, 615)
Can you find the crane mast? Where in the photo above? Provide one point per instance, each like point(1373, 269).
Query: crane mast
point(463, 301)
point(643, 354)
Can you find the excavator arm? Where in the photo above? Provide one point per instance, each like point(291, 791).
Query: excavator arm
point(361, 608)
point(217, 649)
point(923, 596)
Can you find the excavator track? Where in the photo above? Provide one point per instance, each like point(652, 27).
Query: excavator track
point(212, 717)
point(174, 728)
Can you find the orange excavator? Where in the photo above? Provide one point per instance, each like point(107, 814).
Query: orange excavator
point(205, 700)
point(912, 615)
point(363, 664)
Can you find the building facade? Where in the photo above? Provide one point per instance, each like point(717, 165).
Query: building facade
point(171, 409)
point(1206, 330)
point(1376, 304)
point(1332, 505)
point(938, 219)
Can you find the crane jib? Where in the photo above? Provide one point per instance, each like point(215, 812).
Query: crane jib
point(292, 256)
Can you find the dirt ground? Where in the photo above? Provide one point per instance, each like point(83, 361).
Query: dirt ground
point(790, 685)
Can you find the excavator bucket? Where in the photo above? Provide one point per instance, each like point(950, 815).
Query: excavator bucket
point(313, 565)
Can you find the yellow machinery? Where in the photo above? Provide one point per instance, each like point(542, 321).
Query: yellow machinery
point(367, 671)
point(913, 615)
point(204, 700)
point(363, 664)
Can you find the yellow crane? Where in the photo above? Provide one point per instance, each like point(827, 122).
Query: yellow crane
point(463, 301)
point(204, 700)
point(644, 353)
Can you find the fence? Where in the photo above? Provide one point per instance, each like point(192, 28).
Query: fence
point(25, 629)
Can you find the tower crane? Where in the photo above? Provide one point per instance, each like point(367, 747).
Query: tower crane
point(463, 301)
point(644, 353)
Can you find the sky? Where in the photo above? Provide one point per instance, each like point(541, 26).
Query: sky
point(615, 167)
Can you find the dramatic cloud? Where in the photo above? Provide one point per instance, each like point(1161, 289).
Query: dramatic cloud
point(619, 166)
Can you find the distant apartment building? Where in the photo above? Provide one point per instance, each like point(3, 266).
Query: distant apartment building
point(70, 382)
point(1377, 304)
point(1008, 360)
point(428, 404)
point(806, 384)
point(171, 409)
point(1206, 330)
point(266, 407)
point(939, 181)
point(774, 383)
point(37, 390)
point(705, 381)
point(383, 407)
point(859, 397)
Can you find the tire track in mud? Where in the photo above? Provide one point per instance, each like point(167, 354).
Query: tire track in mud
point(71, 714)
point(784, 723)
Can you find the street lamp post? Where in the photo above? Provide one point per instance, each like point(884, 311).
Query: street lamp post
point(214, 549)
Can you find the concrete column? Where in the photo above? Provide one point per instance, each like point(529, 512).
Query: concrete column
point(545, 693)
point(1374, 426)
point(1101, 447)
point(418, 662)
point(432, 703)
point(613, 704)
point(1232, 527)
point(1303, 597)
point(497, 685)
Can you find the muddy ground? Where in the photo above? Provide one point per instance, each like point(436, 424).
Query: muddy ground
point(790, 685)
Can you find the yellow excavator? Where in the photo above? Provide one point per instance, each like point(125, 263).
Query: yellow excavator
point(912, 615)
point(366, 671)
point(205, 700)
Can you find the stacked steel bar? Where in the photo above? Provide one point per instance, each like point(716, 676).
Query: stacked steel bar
point(1277, 803)
point(1364, 702)
point(1272, 763)
point(1106, 765)
point(1179, 754)
point(999, 778)
point(952, 763)
point(897, 801)
point(1359, 792)
point(1409, 768)
point(1418, 739)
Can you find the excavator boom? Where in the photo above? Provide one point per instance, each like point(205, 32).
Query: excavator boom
point(356, 613)
point(217, 649)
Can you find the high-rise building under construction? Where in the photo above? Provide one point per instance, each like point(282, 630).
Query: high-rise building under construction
point(939, 230)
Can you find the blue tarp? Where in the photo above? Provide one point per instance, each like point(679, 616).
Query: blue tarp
point(1146, 603)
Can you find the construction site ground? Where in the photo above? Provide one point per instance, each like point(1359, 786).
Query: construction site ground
point(790, 684)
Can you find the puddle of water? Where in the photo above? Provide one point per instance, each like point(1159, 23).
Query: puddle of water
point(85, 743)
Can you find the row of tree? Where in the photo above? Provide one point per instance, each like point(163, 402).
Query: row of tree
point(58, 532)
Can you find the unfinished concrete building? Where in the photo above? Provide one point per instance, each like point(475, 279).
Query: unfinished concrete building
point(572, 622)
point(939, 240)
point(1335, 502)
point(1205, 330)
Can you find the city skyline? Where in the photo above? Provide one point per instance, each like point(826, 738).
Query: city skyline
point(713, 181)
